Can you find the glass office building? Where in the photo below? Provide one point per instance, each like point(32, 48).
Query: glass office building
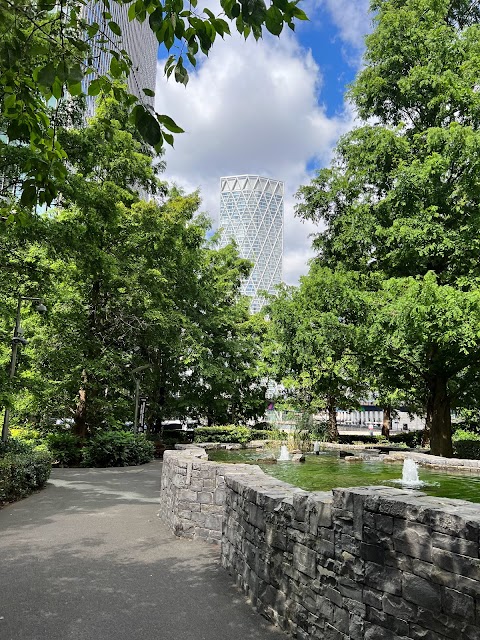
point(137, 39)
point(251, 213)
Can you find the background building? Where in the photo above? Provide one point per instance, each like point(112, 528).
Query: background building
point(251, 213)
point(137, 39)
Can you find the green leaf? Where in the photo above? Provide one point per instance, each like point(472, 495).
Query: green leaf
point(155, 19)
point(170, 124)
point(57, 89)
point(132, 12)
point(149, 92)
point(115, 68)
point(62, 71)
point(95, 87)
point(29, 195)
point(274, 20)
point(115, 28)
point(75, 89)
point(147, 125)
point(75, 75)
point(46, 76)
point(168, 137)
point(92, 29)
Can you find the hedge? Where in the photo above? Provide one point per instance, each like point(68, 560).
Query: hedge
point(66, 448)
point(232, 433)
point(229, 433)
point(466, 444)
point(22, 473)
point(117, 449)
point(410, 438)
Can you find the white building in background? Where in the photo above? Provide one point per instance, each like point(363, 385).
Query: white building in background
point(251, 213)
point(137, 39)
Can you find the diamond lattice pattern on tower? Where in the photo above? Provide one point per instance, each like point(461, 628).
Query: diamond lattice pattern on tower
point(251, 213)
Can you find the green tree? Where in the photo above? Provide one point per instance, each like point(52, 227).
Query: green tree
point(402, 197)
point(315, 334)
point(226, 382)
point(128, 283)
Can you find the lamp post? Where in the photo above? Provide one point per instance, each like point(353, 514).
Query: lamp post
point(137, 393)
point(17, 340)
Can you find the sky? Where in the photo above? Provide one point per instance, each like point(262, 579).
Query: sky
point(274, 108)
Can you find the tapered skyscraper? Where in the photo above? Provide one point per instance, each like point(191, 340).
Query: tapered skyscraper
point(251, 213)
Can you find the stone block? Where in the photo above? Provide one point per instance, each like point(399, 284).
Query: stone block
point(401, 561)
point(448, 523)
point(372, 597)
point(374, 632)
point(418, 590)
point(330, 633)
point(300, 506)
point(455, 603)
point(350, 589)
point(205, 497)
point(185, 495)
point(455, 563)
point(346, 543)
point(304, 559)
point(334, 596)
point(417, 632)
point(382, 619)
point(372, 553)
point(343, 499)
point(413, 539)
point(384, 579)
point(355, 608)
point(324, 548)
point(356, 629)
point(454, 544)
point(399, 608)
point(440, 623)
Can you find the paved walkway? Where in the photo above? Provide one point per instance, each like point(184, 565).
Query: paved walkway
point(88, 559)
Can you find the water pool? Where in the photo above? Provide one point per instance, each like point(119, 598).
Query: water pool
point(327, 471)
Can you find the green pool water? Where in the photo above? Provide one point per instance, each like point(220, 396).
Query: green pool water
point(327, 471)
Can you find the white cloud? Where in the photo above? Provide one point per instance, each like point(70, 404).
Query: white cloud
point(252, 108)
point(352, 18)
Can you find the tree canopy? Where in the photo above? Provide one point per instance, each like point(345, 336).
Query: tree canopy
point(401, 199)
point(49, 55)
point(128, 284)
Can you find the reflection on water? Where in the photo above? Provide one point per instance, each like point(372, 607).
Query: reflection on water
point(328, 470)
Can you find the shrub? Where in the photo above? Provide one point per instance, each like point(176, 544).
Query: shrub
point(66, 448)
point(23, 469)
point(228, 433)
point(14, 446)
point(172, 436)
point(268, 434)
point(466, 444)
point(410, 438)
point(117, 449)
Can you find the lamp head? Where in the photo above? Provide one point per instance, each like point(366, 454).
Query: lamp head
point(41, 308)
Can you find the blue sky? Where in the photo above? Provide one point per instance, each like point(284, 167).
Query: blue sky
point(274, 108)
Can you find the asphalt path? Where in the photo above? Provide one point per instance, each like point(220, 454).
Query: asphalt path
point(87, 558)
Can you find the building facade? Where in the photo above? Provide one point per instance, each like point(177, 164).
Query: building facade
point(251, 213)
point(137, 39)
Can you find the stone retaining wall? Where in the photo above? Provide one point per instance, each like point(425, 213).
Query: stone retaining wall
point(352, 564)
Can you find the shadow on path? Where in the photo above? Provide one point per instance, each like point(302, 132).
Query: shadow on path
point(88, 558)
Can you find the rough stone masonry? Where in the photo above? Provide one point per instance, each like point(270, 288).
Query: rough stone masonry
point(362, 564)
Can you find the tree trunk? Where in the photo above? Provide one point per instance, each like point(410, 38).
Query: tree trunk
point(80, 417)
point(441, 426)
point(428, 423)
point(387, 421)
point(332, 430)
